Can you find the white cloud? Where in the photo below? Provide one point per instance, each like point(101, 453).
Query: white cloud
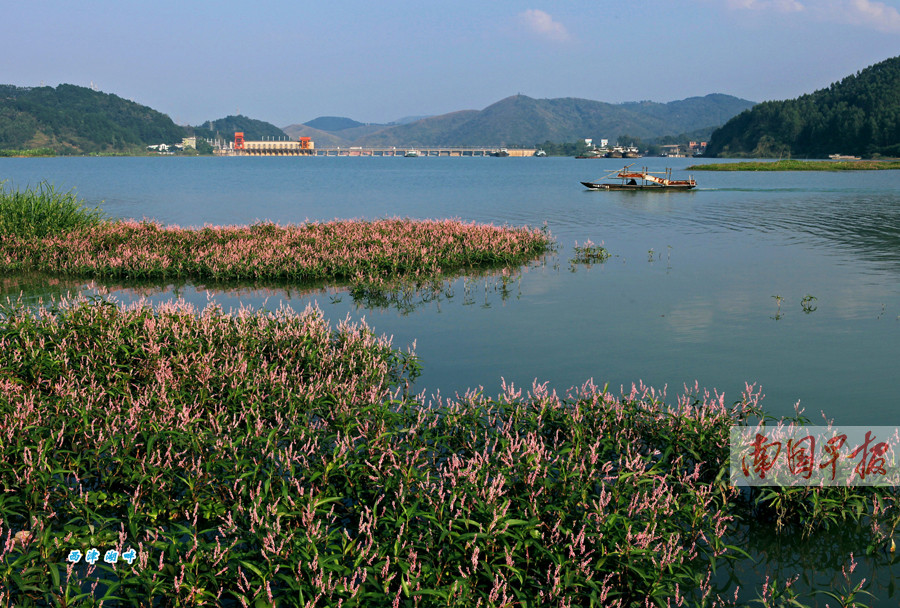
point(864, 13)
point(541, 24)
point(872, 14)
point(781, 6)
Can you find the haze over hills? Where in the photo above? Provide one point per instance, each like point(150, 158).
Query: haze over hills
point(335, 131)
point(522, 120)
point(73, 120)
point(860, 115)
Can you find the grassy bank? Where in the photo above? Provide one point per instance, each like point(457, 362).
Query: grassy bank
point(36, 152)
point(268, 459)
point(799, 165)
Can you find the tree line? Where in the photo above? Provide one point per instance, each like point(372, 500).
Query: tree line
point(860, 115)
point(70, 118)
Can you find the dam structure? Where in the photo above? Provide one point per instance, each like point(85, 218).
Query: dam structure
point(304, 146)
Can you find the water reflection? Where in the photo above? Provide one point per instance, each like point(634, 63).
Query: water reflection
point(836, 560)
point(691, 321)
point(36, 289)
point(478, 286)
point(863, 226)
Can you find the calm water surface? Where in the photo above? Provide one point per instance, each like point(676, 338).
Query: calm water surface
point(691, 293)
point(688, 296)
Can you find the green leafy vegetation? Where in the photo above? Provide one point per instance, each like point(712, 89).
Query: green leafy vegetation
point(27, 153)
point(860, 115)
point(588, 253)
point(72, 119)
point(264, 458)
point(41, 211)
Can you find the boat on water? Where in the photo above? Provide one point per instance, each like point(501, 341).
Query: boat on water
point(411, 154)
point(641, 180)
point(502, 152)
point(631, 152)
point(594, 153)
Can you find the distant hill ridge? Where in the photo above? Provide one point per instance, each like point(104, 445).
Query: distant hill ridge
point(860, 115)
point(73, 119)
point(333, 123)
point(522, 120)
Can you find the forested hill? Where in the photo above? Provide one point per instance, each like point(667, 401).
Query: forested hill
point(526, 121)
point(860, 115)
point(253, 130)
point(73, 119)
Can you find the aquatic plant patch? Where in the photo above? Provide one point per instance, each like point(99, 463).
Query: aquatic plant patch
point(355, 251)
point(588, 253)
point(171, 456)
point(265, 457)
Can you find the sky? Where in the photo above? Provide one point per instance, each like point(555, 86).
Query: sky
point(290, 61)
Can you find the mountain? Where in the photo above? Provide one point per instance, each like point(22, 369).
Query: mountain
point(408, 119)
point(333, 131)
point(254, 130)
point(522, 120)
point(860, 115)
point(434, 131)
point(332, 123)
point(73, 119)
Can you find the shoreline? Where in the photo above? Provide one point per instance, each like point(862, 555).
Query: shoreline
point(800, 165)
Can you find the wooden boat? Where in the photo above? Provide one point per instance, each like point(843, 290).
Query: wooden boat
point(641, 180)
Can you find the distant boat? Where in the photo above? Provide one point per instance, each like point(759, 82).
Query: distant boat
point(641, 180)
point(500, 152)
point(593, 153)
point(411, 154)
point(540, 153)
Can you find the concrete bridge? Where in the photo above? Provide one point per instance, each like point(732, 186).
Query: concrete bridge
point(430, 151)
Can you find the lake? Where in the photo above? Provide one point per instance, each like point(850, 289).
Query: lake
point(784, 280)
point(703, 287)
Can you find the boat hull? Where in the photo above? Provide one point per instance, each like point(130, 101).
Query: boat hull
point(654, 187)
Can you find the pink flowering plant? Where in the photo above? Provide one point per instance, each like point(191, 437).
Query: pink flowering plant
point(266, 458)
point(357, 251)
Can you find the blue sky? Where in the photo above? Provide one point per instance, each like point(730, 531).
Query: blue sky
point(293, 60)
